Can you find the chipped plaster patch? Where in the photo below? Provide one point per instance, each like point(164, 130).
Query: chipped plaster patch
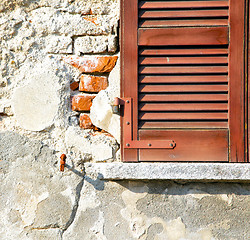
point(98, 229)
point(139, 222)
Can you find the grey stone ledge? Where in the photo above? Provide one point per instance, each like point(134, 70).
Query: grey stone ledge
point(170, 171)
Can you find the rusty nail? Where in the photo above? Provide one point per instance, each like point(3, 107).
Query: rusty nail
point(62, 162)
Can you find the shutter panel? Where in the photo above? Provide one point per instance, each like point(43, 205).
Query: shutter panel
point(183, 72)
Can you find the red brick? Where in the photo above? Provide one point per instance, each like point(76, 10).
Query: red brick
point(82, 102)
point(85, 122)
point(93, 83)
point(92, 64)
point(74, 86)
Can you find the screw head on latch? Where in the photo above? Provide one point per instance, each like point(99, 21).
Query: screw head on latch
point(172, 145)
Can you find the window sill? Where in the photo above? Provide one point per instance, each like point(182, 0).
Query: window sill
point(233, 172)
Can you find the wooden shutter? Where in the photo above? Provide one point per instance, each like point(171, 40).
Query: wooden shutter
point(183, 80)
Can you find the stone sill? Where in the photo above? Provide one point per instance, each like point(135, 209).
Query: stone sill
point(233, 172)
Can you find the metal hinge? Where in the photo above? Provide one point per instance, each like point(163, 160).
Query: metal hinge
point(128, 141)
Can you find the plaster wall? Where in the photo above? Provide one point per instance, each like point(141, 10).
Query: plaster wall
point(37, 125)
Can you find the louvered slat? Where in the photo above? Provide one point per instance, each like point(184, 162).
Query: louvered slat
point(182, 88)
point(183, 97)
point(181, 22)
point(183, 79)
point(181, 4)
point(183, 70)
point(183, 51)
point(183, 107)
point(182, 60)
point(183, 116)
point(181, 13)
point(182, 124)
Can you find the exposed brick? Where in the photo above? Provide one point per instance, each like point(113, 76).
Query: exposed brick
point(93, 83)
point(92, 64)
point(85, 122)
point(74, 85)
point(82, 102)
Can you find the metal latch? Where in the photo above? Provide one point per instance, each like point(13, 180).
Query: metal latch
point(116, 106)
point(128, 141)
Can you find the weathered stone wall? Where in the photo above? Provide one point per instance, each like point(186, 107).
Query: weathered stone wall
point(49, 77)
point(59, 62)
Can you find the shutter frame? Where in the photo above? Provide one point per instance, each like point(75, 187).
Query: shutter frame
point(130, 42)
point(237, 77)
point(129, 56)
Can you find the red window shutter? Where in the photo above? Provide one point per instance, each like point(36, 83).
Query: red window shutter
point(183, 80)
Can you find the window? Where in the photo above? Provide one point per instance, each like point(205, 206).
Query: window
point(183, 81)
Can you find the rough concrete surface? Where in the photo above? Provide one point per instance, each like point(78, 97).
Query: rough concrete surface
point(33, 191)
point(37, 125)
point(161, 210)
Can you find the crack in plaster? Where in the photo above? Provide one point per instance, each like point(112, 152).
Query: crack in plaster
point(75, 207)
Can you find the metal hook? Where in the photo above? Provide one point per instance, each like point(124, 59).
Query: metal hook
point(62, 162)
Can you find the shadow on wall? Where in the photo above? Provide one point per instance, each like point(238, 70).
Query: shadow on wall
point(97, 184)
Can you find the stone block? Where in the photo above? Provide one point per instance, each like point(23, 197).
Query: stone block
point(92, 64)
point(95, 44)
point(93, 83)
point(74, 85)
point(46, 21)
point(85, 121)
point(102, 116)
point(99, 146)
point(60, 44)
point(172, 171)
point(82, 102)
